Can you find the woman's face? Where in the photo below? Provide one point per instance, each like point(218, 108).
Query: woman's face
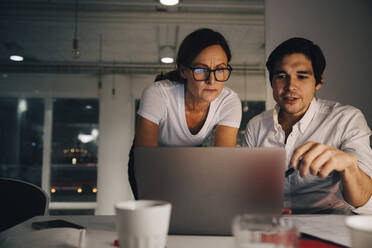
point(212, 57)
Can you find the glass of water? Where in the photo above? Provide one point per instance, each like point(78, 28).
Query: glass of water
point(264, 231)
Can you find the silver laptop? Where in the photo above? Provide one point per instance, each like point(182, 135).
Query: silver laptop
point(208, 186)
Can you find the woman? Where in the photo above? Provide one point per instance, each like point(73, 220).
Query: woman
point(185, 107)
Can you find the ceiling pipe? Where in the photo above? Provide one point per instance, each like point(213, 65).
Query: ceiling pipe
point(106, 68)
point(257, 5)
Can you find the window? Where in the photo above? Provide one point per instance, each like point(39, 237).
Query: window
point(74, 150)
point(250, 110)
point(21, 134)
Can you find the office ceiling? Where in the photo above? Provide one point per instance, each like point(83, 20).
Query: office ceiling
point(121, 33)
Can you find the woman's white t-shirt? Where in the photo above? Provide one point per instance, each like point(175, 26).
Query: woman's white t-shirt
point(163, 103)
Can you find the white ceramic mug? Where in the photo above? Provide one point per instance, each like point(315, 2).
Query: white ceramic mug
point(143, 223)
point(361, 230)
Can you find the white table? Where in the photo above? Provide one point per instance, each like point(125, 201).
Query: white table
point(101, 233)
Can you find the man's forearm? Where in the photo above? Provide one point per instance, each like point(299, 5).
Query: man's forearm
point(357, 186)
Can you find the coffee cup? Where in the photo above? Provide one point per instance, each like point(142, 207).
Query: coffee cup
point(361, 230)
point(142, 223)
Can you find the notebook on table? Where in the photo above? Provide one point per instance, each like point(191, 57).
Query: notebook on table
point(209, 186)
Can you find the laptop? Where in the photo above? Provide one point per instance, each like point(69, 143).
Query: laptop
point(209, 186)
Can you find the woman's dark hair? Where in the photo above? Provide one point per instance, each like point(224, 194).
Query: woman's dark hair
point(189, 49)
point(298, 45)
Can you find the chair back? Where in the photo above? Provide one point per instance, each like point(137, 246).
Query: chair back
point(20, 201)
point(131, 177)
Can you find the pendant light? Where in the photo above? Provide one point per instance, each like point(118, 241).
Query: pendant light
point(245, 107)
point(99, 90)
point(75, 41)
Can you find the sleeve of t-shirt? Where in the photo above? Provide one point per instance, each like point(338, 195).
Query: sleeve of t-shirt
point(152, 105)
point(231, 112)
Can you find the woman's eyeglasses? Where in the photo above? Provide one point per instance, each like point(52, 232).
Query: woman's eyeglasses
point(203, 74)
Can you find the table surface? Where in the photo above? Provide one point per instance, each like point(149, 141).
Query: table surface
point(101, 233)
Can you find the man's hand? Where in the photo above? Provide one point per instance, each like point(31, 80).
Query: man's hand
point(321, 160)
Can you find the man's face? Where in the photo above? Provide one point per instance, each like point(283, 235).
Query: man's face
point(293, 84)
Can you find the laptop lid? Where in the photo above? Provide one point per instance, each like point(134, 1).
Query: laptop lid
point(209, 186)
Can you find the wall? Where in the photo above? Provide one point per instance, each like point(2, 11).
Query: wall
point(343, 30)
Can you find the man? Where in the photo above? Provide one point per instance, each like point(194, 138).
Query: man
point(326, 143)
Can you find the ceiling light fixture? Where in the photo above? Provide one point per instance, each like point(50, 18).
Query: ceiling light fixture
point(168, 47)
point(14, 50)
point(167, 54)
point(169, 2)
point(167, 60)
point(16, 58)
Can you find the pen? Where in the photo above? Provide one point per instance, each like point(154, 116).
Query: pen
point(289, 172)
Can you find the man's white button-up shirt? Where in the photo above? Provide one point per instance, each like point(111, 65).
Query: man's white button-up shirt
point(324, 122)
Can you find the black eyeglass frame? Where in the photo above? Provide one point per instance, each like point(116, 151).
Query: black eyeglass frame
point(229, 68)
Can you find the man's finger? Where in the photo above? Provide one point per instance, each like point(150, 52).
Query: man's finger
point(325, 169)
point(319, 162)
point(299, 153)
point(308, 158)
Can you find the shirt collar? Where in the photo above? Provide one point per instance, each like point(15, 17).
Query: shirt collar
point(275, 118)
point(304, 121)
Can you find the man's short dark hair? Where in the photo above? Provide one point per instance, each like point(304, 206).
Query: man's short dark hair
point(298, 45)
